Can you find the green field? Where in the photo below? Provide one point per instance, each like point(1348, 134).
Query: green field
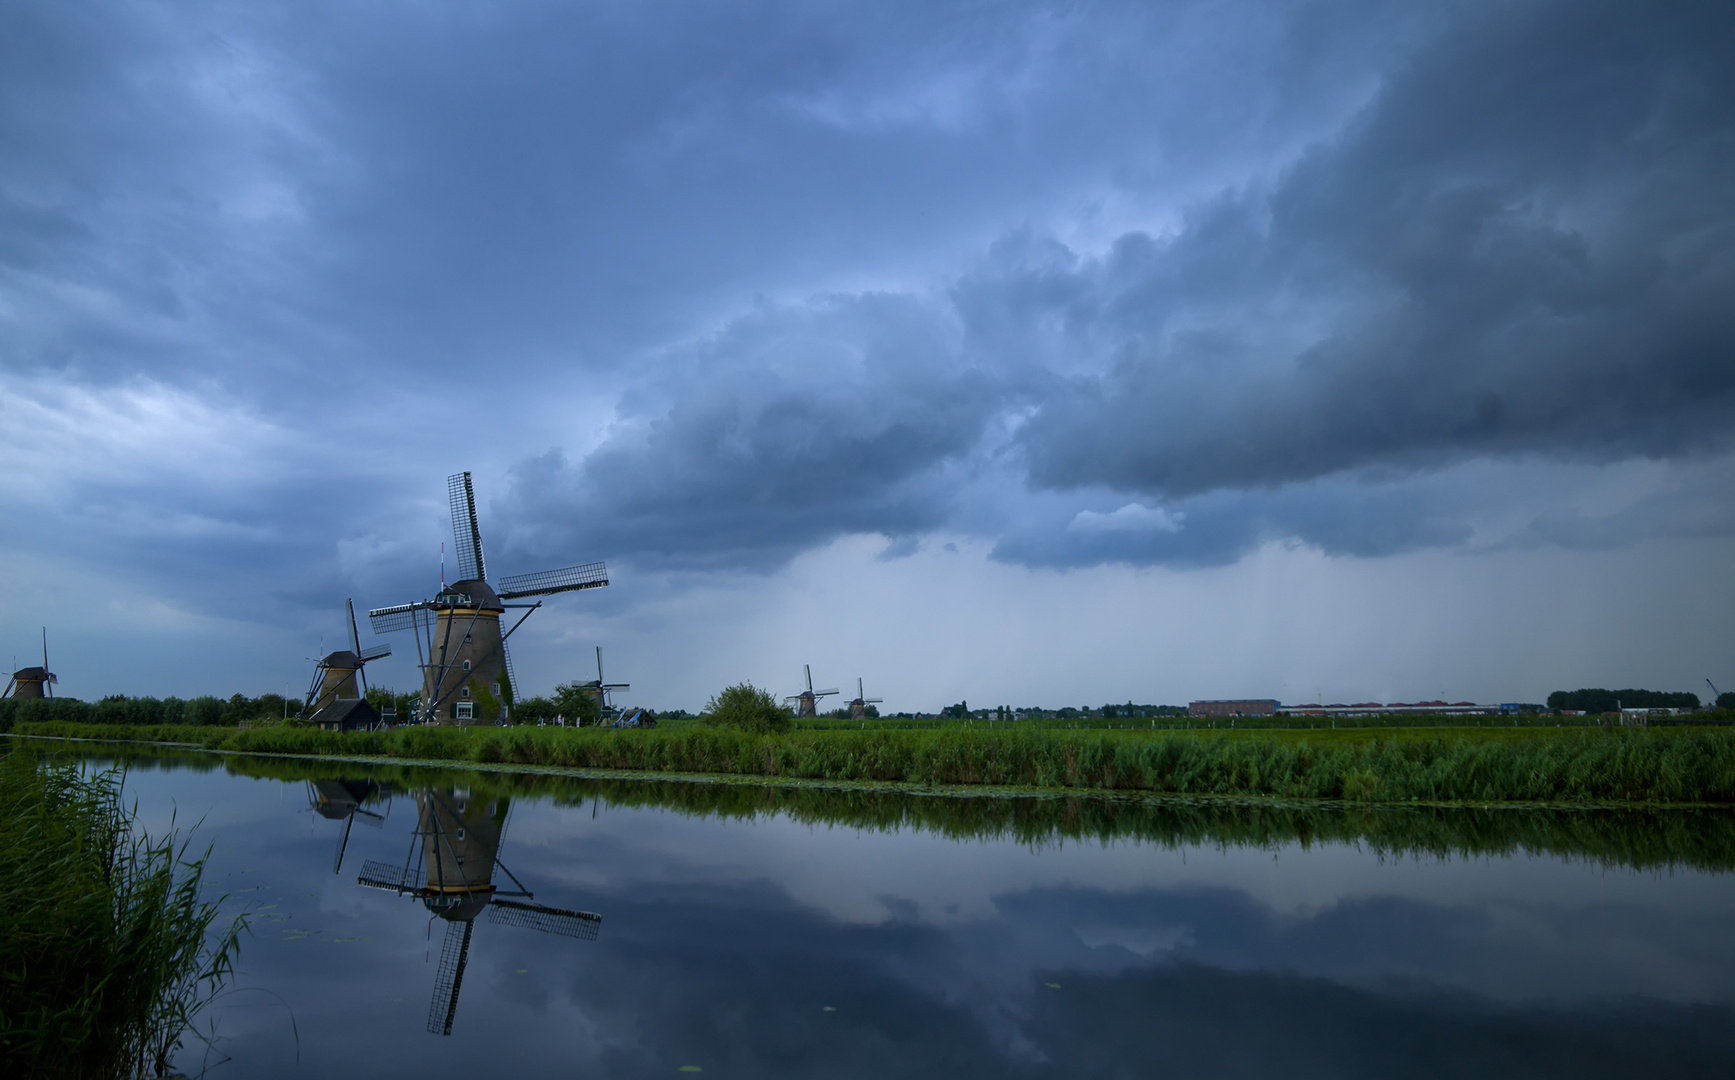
point(1677, 764)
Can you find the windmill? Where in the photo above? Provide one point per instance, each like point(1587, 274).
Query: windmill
point(858, 707)
point(337, 697)
point(602, 689)
point(807, 698)
point(33, 682)
point(466, 671)
point(341, 800)
point(451, 871)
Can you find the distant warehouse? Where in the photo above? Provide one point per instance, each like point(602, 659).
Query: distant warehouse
point(1250, 707)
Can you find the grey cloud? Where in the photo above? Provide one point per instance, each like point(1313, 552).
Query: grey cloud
point(1525, 246)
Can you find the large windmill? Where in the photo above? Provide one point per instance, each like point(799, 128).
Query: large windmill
point(452, 872)
point(858, 707)
point(336, 699)
point(807, 699)
point(466, 670)
point(33, 682)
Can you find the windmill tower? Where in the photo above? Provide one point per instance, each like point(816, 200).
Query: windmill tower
point(466, 671)
point(452, 872)
point(809, 698)
point(858, 707)
point(33, 682)
point(336, 699)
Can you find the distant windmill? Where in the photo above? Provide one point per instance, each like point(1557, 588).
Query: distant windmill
point(33, 682)
point(858, 707)
point(806, 700)
point(341, 800)
point(336, 699)
point(466, 671)
point(452, 872)
point(602, 689)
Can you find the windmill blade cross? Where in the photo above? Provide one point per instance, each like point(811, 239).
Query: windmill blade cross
point(544, 582)
point(354, 638)
point(465, 531)
point(388, 876)
point(375, 652)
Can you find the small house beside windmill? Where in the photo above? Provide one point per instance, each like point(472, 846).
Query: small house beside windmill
point(33, 682)
point(466, 671)
point(858, 707)
point(337, 699)
point(806, 702)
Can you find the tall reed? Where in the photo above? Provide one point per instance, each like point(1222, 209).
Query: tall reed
point(108, 947)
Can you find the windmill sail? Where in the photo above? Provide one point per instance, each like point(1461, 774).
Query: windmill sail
point(454, 954)
point(464, 528)
point(543, 582)
point(387, 620)
point(550, 920)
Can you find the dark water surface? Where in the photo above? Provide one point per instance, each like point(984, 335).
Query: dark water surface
point(753, 932)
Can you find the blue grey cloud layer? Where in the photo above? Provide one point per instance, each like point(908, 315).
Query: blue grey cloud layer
point(1136, 283)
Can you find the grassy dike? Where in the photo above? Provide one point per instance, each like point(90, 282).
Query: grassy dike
point(107, 950)
point(1677, 765)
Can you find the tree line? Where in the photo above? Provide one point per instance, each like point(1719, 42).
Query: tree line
point(1606, 701)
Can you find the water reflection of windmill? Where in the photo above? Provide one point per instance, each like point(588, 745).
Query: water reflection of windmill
point(337, 697)
point(807, 700)
point(451, 870)
point(343, 800)
point(466, 671)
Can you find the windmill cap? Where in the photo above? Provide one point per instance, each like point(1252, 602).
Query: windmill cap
point(480, 594)
point(343, 658)
point(30, 674)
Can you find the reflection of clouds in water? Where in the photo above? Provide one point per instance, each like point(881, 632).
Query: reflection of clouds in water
point(722, 941)
point(1522, 927)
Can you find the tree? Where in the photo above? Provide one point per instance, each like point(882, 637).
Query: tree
point(747, 707)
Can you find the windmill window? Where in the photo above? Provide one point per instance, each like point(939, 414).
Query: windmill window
point(466, 665)
point(464, 691)
point(466, 639)
point(460, 834)
point(464, 710)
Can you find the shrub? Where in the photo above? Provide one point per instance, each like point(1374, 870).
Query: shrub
point(749, 708)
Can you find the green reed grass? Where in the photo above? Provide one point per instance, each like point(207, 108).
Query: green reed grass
point(1675, 765)
point(108, 947)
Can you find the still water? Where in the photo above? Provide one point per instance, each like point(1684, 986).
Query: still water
point(621, 930)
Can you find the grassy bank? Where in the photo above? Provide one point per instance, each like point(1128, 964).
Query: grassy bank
point(1679, 765)
point(1648, 837)
point(105, 953)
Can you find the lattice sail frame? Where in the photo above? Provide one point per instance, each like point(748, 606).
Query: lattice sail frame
point(549, 920)
point(465, 532)
point(387, 620)
point(592, 575)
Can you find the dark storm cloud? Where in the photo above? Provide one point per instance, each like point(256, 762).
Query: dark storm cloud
point(1525, 246)
point(1521, 249)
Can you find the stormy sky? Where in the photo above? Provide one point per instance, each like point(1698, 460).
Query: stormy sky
point(1024, 353)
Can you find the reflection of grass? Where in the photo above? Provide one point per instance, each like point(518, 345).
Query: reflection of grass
point(105, 947)
point(1647, 836)
point(1683, 764)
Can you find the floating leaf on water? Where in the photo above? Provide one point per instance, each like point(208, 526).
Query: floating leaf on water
point(831, 1008)
point(1054, 986)
point(523, 971)
point(691, 1068)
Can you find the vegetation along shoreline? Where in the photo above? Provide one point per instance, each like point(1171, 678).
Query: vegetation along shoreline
point(1578, 766)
